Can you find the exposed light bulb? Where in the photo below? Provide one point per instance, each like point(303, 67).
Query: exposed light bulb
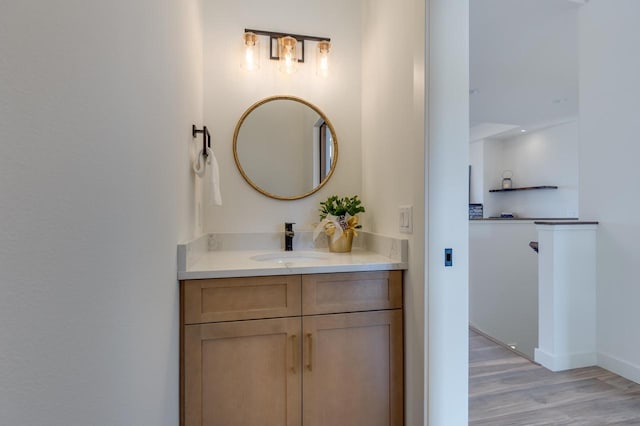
point(287, 51)
point(251, 61)
point(288, 61)
point(322, 58)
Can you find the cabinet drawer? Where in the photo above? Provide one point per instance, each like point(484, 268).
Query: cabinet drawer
point(231, 299)
point(351, 292)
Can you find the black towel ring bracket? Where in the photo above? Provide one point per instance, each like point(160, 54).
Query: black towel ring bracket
point(206, 138)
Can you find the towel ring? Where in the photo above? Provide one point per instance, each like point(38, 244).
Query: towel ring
point(206, 138)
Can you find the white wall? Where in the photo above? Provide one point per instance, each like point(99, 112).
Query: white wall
point(229, 91)
point(448, 162)
point(609, 174)
point(544, 157)
point(492, 156)
point(393, 149)
point(96, 103)
point(503, 282)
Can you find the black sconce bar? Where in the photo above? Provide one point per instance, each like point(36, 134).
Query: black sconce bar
point(274, 36)
point(206, 138)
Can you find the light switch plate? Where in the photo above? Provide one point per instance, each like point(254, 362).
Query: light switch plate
point(406, 219)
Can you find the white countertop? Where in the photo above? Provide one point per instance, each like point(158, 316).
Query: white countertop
point(224, 264)
point(196, 260)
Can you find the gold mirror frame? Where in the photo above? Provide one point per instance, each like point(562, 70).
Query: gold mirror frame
point(256, 186)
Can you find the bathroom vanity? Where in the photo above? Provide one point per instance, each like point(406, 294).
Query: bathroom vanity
point(278, 338)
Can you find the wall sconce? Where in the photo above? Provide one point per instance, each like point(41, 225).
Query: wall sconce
point(288, 49)
point(322, 58)
point(288, 54)
point(251, 57)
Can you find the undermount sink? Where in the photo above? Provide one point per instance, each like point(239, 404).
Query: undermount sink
point(289, 257)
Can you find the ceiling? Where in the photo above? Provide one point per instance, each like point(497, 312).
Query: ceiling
point(523, 64)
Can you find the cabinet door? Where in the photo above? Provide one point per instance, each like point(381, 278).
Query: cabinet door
point(244, 373)
point(353, 369)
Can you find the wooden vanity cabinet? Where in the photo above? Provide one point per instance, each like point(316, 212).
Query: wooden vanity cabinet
point(312, 350)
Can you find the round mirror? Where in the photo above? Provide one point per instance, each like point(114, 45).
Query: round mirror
point(285, 147)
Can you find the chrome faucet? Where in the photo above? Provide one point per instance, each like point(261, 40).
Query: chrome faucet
point(288, 236)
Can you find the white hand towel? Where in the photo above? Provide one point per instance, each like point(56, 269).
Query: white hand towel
point(215, 198)
point(199, 165)
point(199, 168)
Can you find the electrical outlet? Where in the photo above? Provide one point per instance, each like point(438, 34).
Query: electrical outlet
point(406, 219)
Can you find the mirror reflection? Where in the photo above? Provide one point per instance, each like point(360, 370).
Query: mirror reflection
point(285, 147)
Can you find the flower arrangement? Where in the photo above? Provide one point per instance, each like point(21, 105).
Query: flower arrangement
point(339, 221)
point(341, 206)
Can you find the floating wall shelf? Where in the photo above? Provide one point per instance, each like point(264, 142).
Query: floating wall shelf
point(524, 188)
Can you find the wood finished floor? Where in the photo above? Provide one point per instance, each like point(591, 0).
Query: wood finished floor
point(506, 389)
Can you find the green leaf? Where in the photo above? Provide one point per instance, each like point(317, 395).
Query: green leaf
point(341, 206)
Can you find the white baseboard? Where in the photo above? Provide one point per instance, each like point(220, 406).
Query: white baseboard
point(620, 367)
point(567, 361)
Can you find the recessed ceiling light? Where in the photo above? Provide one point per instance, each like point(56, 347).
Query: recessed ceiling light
point(523, 131)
